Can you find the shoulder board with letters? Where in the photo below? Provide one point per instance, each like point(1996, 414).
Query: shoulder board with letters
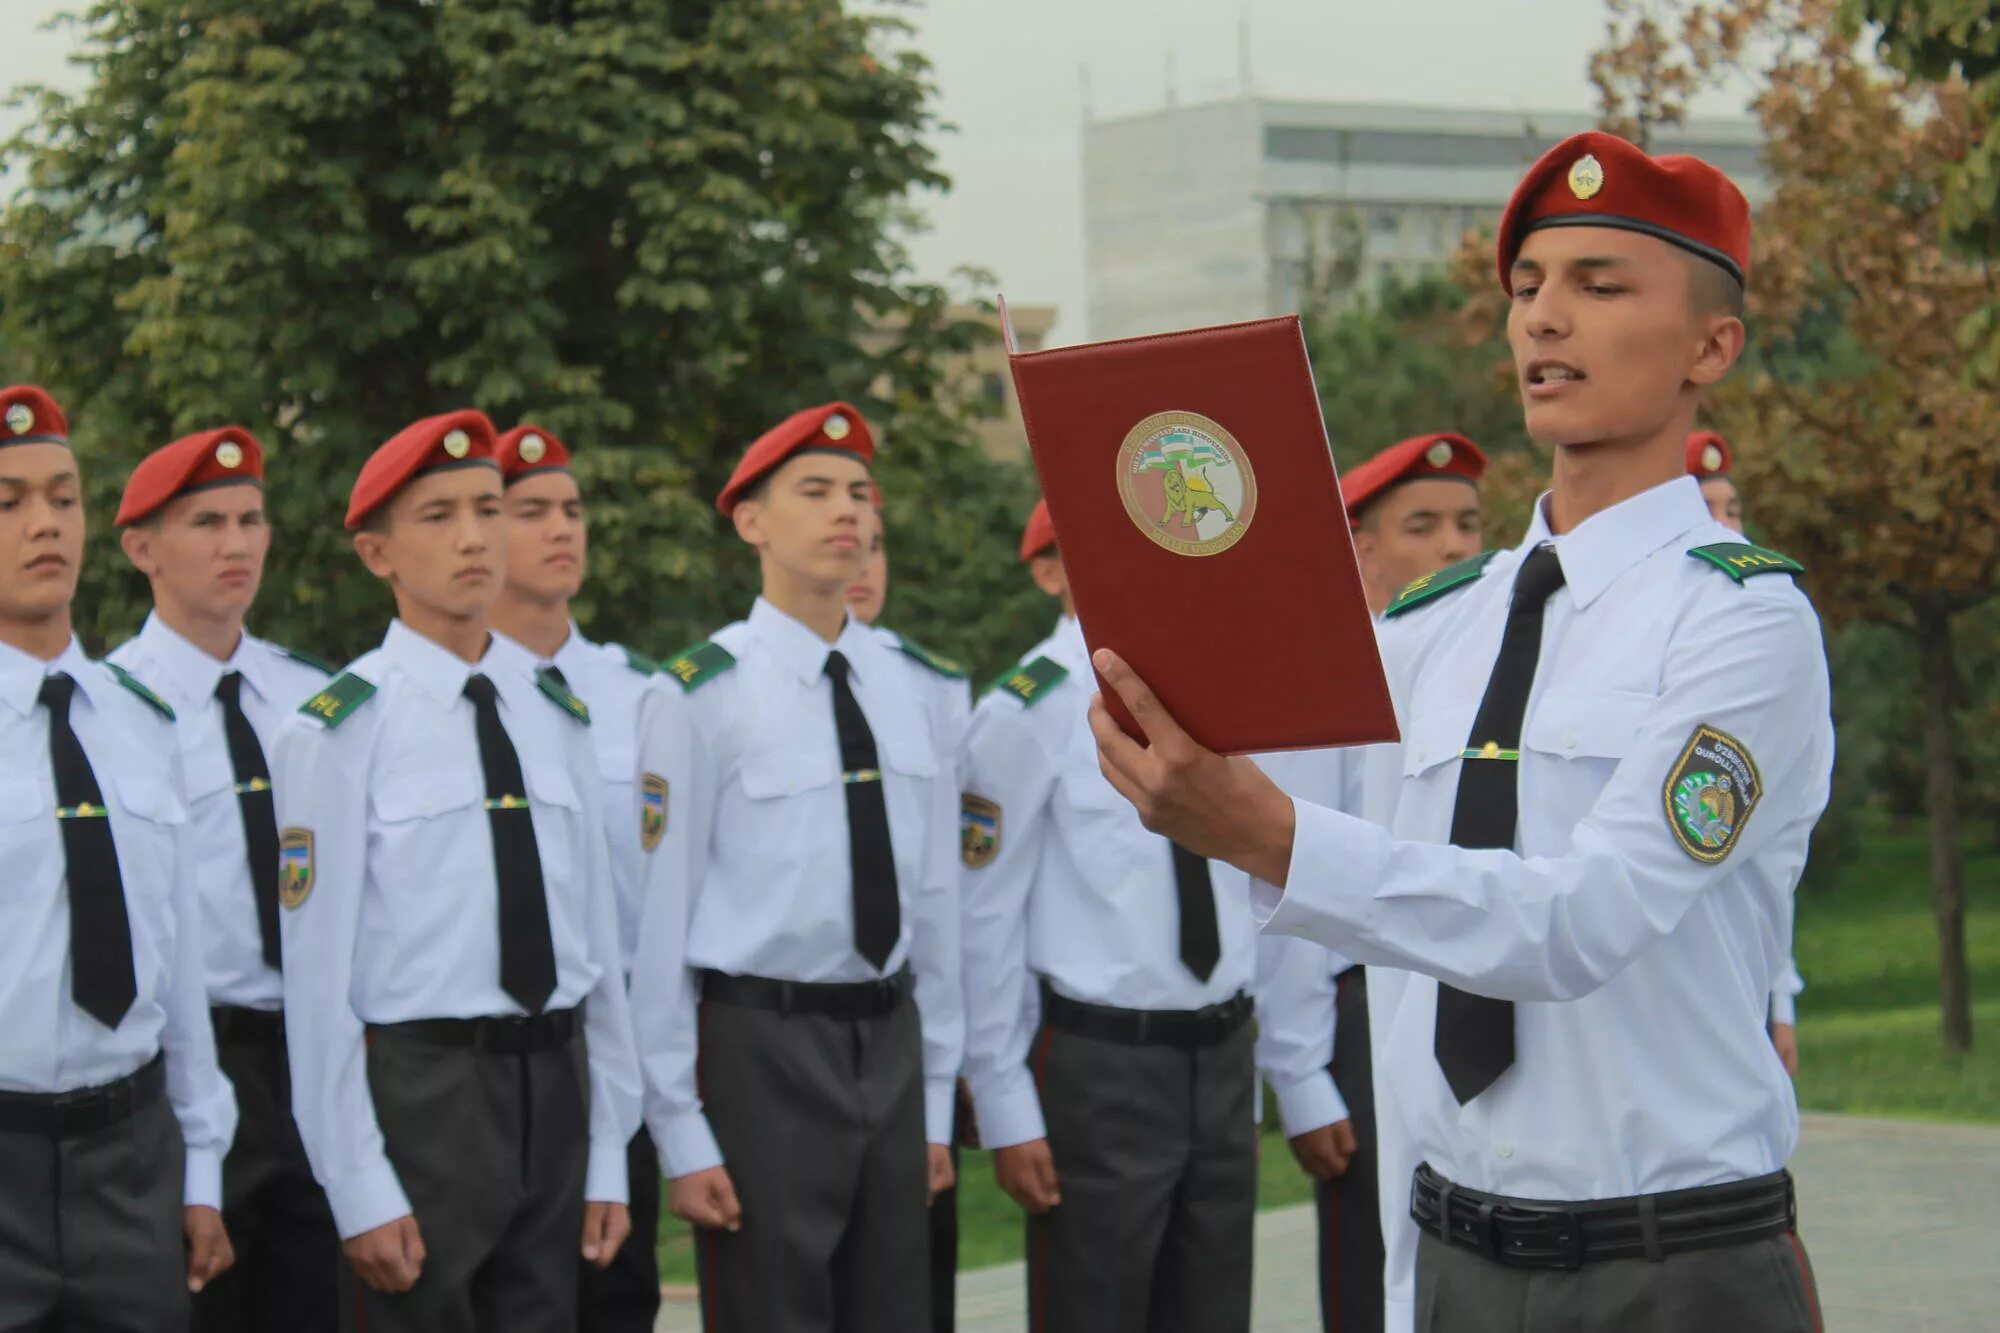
point(1419, 591)
point(134, 684)
point(1741, 560)
point(639, 662)
point(695, 667)
point(560, 695)
point(319, 664)
point(342, 695)
point(944, 666)
point(1031, 680)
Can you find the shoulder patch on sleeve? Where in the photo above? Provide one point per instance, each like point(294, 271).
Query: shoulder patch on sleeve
point(560, 695)
point(342, 695)
point(695, 667)
point(1419, 591)
point(1710, 794)
point(1031, 680)
point(944, 666)
point(138, 687)
point(639, 662)
point(1742, 560)
point(319, 664)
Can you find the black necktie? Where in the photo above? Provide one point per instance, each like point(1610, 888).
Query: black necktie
point(100, 935)
point(1201, 946)
point(878, 912)
point(527, 955)
point(253, 801)
point(1475, 1034)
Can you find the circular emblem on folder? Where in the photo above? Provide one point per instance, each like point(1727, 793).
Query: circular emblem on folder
point(1187, 483)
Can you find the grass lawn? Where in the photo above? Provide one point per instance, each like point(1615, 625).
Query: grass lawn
point(1868, 1030)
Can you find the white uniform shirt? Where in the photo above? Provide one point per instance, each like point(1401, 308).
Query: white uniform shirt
point(402, 918)
point(275, 683)
point(1641, 975)
point(751, 876)
point(47, 1044)
point(1078, 892)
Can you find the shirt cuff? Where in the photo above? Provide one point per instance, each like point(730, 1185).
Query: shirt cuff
point(604, 1177)
point(940, 1108)
point(1784, 1008)
point(369, 1197)
point(1313, 1102)
point(1009, 1117)
point(203, 1179)
point(1315, 896)
point(686, 1144)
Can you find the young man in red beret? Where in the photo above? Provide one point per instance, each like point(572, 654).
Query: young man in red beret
point(460, 1045)
point(193, 524)
point(1615, 744)
point(1109, 1042)
point(548, 549)
point(113, 1116)
point(1415, 510)
point(797, 997)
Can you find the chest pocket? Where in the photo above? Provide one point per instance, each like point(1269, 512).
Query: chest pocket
point(150, 799)
point(1586, 724)
point(25, 820)
point(1438, 735)
point(407, 795)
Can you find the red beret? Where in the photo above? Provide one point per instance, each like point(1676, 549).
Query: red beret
point(1708, 455)
point(526, 450)
point(835, 426)
point(455, 439)
point(227, 457)
point(1040, 534)
point(29, 416)
point(1600, 180)
point(1440, 455)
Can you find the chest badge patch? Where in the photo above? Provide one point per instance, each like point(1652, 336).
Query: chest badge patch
point(295, 866)
point(652, 810)
point(1711, 794)
point(979, 830)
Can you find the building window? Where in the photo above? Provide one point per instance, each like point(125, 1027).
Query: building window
point(993, 388)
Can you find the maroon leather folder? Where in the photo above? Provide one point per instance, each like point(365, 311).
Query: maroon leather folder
point(1200, 522)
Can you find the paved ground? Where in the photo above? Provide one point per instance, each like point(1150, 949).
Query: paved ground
point(1899, 1218)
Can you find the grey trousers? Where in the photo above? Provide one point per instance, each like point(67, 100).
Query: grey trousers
point(491, 1150)
point(1350, 1222)
point(90, 1229)
point(1764, 1286)
point(1156, 1158)
point(821, 1122)
point(625, 1298)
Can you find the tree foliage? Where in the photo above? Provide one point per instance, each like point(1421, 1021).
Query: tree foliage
point(653, 226)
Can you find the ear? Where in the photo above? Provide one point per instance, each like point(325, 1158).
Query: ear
point(1049, 575)
point(1365, 542)
point(1719, 350)
point(137, 542)
point(749, 520)
point(373, 548)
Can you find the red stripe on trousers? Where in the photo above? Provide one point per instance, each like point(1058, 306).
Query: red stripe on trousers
point(1805, 1275)
point(1038, 1247)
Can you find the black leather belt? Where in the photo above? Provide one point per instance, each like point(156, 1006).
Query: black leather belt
point(63, 1115)
point(847, 1000)
point(1523, 1233)
point(1185, 1028)
point(493, 1036)
point(249, 1027)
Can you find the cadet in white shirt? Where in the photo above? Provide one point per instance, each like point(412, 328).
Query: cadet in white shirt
point(801, 892)
point(548, 547)
point(193, 520)
point(1615, 745)
point(1108, 1036)
point(114, 1119)
point(953, 701)
point(460, 1043)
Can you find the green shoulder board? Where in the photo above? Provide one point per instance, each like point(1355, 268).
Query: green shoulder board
point(1741, 560)
point(1031, 680)
point(133, 683)
point(695, 667)
point(1419, 591)
point(639, 662)
point(553, 687)
point(342, 695)
point(944, 666)
point(317, 663)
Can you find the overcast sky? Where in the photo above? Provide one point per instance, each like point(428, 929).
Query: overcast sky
point(1011, 79)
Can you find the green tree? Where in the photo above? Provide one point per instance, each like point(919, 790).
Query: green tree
point(654, 226)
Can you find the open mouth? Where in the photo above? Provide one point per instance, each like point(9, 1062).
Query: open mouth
point(1552, 374)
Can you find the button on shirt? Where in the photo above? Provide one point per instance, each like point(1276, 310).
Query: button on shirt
point(274, 685)
point(1640, 975)
point(47, 1044)
point(751, 876)
point(401, 920)
point(1078, 892)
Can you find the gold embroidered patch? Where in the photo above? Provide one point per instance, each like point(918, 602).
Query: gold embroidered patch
point(295, 866)
point(652, 810)
point(979, 830)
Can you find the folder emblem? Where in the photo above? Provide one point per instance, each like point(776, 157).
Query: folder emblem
point(1187, 484)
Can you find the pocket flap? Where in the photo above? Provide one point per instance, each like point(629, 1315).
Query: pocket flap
point(1597, 724)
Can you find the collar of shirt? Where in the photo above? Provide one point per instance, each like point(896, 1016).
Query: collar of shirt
point(188, 674)
point(440, 672)
point(21, 676)
point(1598, 551)
point(576, 654)
point(803, 652)
point(1066, 645)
